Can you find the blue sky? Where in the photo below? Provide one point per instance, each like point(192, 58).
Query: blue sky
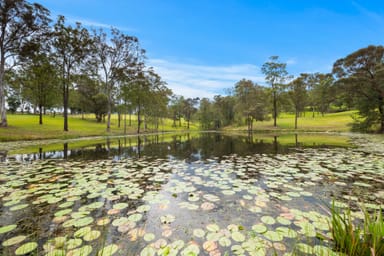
point(202, 47)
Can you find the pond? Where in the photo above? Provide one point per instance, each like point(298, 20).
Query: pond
point(184, 194)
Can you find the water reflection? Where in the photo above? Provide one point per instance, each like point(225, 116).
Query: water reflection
point(189, 147)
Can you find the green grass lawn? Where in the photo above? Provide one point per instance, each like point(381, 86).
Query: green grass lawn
point(26, 127)
point(333, 122)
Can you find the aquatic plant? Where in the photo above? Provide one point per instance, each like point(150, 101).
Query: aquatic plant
point(365, 238)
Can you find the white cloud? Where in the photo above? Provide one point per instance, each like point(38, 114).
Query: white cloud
point(95, 24)
point(192, 80)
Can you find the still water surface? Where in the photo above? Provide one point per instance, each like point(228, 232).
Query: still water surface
point(185, 194)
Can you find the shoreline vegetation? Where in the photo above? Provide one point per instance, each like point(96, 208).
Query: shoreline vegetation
point(26, 127)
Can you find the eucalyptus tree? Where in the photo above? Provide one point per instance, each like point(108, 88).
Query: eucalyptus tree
point(298, 94)
point(116, 58)
point(175, 108)
point(251, 102)
point(71, 45)
point(39, 78)
point(276, 76)
point(206, 114)
point(224, 110)
point(90, 97)
point(159, 95)
point(189, 107)
point(361, 74)
point(20, 23)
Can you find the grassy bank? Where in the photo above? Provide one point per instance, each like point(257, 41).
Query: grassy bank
point(334, 122)
point(26, 127)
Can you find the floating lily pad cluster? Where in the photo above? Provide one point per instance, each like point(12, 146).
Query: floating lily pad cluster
point(235, 205)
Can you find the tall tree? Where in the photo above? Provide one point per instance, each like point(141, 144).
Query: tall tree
point(298, 95)
point(121, 55)
point(189, 108)
point(71, 45)
point(39, 78)
point(362, 74)
point(250, 102)
point(276, 75)
point(20, 23)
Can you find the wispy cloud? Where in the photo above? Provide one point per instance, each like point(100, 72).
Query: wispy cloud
point(371, 14)
point(95, 24)
point(192, 80)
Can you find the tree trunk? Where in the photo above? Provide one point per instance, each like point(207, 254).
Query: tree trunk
point(65, 106)
point(274, 108)
point(118, 119)
point(296, 115)
point(138, 120)
point(40, 114)
point(3, 110)
point(125, 121)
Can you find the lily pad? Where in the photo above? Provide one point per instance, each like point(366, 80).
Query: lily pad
point(149, 237)
point(83, 222)
point(14, 240)
point(238, 237)
point(259, 228)
point(8, 228)
point(108, 250)
point(83, 251)
point(93, 235)
point(18, 207)
point(268, 220)
point(120, 206)
point(26, 248)
point(83, 231)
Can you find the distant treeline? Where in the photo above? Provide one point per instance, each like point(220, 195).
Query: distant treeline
point(51, 65)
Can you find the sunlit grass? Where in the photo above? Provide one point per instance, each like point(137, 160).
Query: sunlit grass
point(26, 127)
point(333, 122)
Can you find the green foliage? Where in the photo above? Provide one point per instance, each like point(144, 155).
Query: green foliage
point(361, 75)
point(354, 239)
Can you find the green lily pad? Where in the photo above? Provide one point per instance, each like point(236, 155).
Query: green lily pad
point(283, 221)
point(225, 241)
point(304, 248)
point(135, 217)
point(18, 207)
point(213, 227)
point(73, 243)
point(66, 204)
point(238, 237)
point(268, 220)
point(273, 236)
point(93, 235)
point(83, 222)
point(198, 232)
point(26, 248)
point(143, 208)
point(191, 250)
point(83, 251)
point(83, 231)
point(14, 240)
point(108, 250)
point(148, 251)
point(63, 212)
point(8, 228)
point(259, 228)
point(120, 206)
point(149, 237)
